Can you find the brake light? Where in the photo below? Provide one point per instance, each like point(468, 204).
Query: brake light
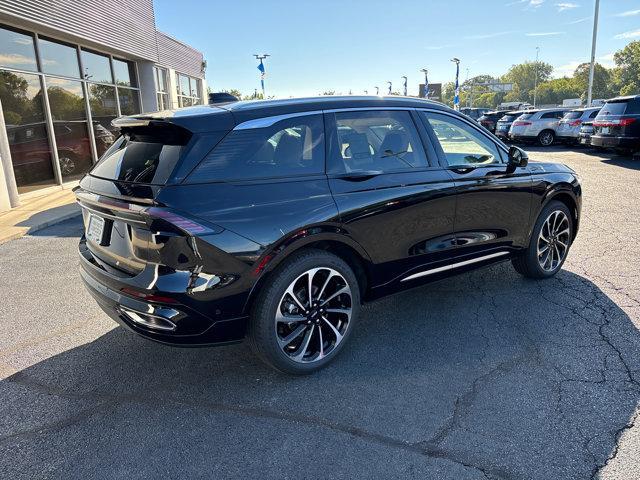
point(521, 123)
point(622, 122)
point(575, 123)
point(185, 224)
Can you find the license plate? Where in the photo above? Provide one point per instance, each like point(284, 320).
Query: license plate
point(95, 229)
point(605, 130)
point(583, 140)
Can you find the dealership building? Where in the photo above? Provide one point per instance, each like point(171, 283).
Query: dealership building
point(67, 69)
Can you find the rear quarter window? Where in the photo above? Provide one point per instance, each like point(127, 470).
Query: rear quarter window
point(290, 147)
point(145, 155)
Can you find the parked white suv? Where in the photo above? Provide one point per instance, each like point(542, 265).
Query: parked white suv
point(569, 126)
point(537, 125)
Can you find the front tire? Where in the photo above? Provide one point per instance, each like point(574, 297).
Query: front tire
point(549, 245)
point(305, 314)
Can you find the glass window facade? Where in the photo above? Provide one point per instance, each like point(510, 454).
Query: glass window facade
point(96, 67)
point(162, 89)
point(58, 59)
point(45, 89)
point(189, 90)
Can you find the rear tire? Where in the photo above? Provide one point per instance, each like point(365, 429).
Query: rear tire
point(302, 334)
point(546, 138)
point(544, 258)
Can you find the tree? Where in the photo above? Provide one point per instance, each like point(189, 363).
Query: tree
point(234, 91)
point(628, 62)
point(602, 84)
point(328, 92)
point(523, 77)
point(555, 91)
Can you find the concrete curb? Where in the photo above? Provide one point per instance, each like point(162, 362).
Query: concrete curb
point(31, 226)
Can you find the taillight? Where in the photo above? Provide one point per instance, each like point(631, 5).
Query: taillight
point(185, 224)
point(521, 123)
point(622, 122)
point(575, 123)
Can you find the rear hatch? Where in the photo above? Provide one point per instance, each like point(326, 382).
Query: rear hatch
point(126, 228)
point(619, 117)
point(505, 121)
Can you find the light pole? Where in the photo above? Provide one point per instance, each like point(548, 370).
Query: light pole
point(456, 97)
point(405, 85)
point(593, 53)
point(262, 71)
point(426, 82)
point(377, 91)
point(390, 85)
point(535, 82)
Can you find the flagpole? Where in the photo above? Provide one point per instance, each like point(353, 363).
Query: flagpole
point(262, 71)
point(456, 98)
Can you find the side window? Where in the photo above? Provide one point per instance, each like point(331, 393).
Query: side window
point(377, 140)
point(548, 115)
point(290, 147)
point(594, 114)
point(462, 144)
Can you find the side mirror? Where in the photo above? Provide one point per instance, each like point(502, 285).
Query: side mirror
point(517, 158)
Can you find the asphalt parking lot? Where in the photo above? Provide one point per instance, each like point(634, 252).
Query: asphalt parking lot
point(485, 375)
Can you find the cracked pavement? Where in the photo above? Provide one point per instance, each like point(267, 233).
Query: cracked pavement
point(482, 376)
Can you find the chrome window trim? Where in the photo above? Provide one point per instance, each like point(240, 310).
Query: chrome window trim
point(265, 122)
point(452, 266)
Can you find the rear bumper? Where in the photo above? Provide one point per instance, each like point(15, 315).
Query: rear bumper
point(169, 323)
point(621, 142)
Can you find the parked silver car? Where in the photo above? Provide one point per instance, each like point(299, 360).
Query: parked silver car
point(569, 126)
point(537, 125)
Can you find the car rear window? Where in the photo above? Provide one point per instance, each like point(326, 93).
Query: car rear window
point(621, 108)
point(143, 155)
point(290, 147)
point(572, 115)
point(510, 117)
point(526, 116)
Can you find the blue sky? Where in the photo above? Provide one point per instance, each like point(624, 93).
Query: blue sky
point(355, 45)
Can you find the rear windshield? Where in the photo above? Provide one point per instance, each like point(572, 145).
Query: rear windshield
point(525, 116)
point(510, 117)
point(621, 108)
point(143, 155)
point(572, 115)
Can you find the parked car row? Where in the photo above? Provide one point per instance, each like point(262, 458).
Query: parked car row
point(615, 125)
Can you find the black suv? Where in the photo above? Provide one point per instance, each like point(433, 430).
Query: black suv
point(275, 220)
point(618, 125)
point(490, 119)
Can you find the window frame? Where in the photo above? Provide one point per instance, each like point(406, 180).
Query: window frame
point(502, 149)
point(333, 158)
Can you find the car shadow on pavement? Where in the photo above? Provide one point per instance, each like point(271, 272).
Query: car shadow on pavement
point(485, 375)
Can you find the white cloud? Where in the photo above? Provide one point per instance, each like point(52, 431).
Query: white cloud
point(566, 6)
point(16, 59)
point(628, 13)
point(437, 47)
point(606, 60)
point(566, 70)
point(535, 3)
point(488, 35)
point(580, 20)
point(627, 35)
point(544, 34)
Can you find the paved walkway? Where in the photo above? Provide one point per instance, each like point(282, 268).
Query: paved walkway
point(37, 213)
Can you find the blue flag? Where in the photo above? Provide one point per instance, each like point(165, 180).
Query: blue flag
point(456, 98)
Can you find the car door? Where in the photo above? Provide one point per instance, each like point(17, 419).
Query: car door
point(492, 203)
point(392, 195)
